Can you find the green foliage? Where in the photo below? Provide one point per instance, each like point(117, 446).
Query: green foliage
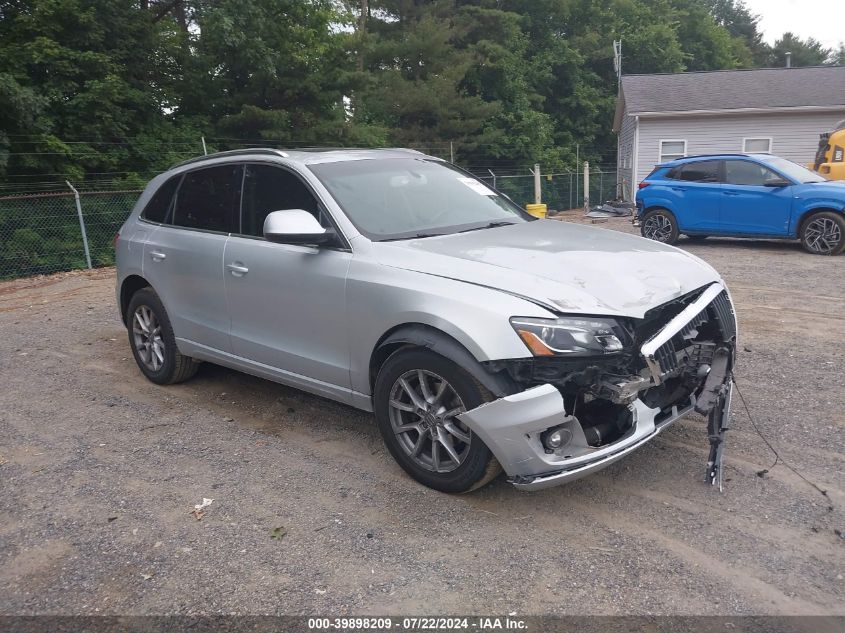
point(116, 90)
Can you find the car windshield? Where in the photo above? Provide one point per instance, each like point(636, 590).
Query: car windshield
point(794, 171)
point(403, 198)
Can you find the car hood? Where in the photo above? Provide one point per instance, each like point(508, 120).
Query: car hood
point(834, 188)
point(566, 267)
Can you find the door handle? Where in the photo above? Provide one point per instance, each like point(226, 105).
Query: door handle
point(157, 256)
point(731, 193)
point(676, 188)
point(238, 270)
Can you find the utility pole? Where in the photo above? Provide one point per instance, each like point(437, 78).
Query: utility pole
point(451, 153)
point(538, 188)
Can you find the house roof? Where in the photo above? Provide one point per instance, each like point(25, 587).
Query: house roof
point(764, 88)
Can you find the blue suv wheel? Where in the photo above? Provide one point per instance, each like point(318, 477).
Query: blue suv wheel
point(660, 225)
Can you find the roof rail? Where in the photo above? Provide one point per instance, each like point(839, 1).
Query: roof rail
point(233, 152)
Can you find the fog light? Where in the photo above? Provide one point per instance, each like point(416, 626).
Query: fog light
point(555, 438)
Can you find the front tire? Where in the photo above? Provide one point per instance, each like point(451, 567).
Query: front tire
point(153, 343)
point(417, 398)
point(661, 226)
point(823, 234)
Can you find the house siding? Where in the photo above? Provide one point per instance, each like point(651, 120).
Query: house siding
point(795, 135)
point(625, 156)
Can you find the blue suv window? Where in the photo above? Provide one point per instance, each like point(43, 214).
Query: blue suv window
point(701, 171)
point(744, 172)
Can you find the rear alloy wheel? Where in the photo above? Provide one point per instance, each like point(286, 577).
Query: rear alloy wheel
point(153, 342)
point(824, 234)
point(660, 225)
point(418, 398)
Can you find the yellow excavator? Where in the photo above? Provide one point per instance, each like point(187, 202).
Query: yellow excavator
point(830, 157)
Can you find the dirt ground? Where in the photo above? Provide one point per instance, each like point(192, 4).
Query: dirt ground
point(99, 470)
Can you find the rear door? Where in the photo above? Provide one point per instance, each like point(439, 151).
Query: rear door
point(749, 207)
point(184, 255)
point(696, 188)
point(287, 302)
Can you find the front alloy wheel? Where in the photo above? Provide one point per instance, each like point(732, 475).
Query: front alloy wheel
point(417, 398)
point(824, 234)
point(423, 406)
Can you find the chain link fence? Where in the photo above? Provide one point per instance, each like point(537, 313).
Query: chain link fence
point(560, 191)
point(48, 232)
point(43, 233)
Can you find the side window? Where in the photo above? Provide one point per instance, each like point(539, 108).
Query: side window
point(674, 173)
point(701, 171)
point(744, 172)
point(158, 207)
point(208, 198)
point(267, 189)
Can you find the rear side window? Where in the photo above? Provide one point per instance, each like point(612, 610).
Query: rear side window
point(702, 171)
point(208, 199)
point(674, 173)
point(159, 205)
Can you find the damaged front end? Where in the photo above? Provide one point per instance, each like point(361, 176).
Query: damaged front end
point(575, 416)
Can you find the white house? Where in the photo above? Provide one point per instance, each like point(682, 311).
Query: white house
point(780, 111)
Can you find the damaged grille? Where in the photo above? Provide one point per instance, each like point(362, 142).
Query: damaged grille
point(717, 315)
point(724, 313)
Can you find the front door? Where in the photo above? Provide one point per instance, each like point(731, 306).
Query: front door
point(286, 301)
point(749, 207)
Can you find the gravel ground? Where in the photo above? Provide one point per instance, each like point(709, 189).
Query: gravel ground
point(100, 470)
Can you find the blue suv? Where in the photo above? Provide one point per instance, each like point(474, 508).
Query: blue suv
point(742, 195)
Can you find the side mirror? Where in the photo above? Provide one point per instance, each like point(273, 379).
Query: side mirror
point(295, 226)
point(777, 182)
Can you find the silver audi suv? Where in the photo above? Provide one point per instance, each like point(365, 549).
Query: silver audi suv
point(480, 337)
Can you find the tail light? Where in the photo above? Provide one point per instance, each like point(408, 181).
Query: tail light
point(643, 184)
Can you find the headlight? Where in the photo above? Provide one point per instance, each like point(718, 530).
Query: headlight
point(570, 336)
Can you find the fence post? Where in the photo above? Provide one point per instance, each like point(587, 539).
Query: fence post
point(586, 186)
point(81, 224)
point(494, 177)
point(538, 187)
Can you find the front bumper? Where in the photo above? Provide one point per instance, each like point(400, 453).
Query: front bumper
point(513, 426)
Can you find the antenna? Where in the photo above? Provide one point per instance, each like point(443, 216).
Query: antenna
point(617, 58)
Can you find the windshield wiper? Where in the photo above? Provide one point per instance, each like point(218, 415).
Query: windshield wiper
point(412, 237)
point(489, 225)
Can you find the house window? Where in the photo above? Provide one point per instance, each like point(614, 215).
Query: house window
point(758, 145)
point(672, 149)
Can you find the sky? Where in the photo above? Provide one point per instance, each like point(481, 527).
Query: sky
point(823, 20)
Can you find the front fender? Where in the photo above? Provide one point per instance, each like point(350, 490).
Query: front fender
point(812, 205)
point(381, 299)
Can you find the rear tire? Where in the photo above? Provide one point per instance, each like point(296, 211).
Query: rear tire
point(153, 343)
point(823, 233)
point(660, 225)
point(417, 396)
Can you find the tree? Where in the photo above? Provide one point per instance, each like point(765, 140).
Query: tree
point(807, 52)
